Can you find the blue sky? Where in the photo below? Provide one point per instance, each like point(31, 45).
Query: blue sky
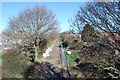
point(63, 10)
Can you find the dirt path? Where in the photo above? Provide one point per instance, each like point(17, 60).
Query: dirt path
point(54, 59)
point(54, 55)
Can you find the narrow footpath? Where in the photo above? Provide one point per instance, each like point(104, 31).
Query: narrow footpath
point(55, 60)
point(54, 57)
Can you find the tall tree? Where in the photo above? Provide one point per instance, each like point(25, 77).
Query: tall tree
point(88, 34)
point(103, 16)
point(29, 27)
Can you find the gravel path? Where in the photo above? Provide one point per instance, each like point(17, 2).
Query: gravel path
point(54, 54)
point(54, 59)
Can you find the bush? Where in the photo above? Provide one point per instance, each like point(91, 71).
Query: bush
point(71, 42)
point(32, 55)
point(103, 60)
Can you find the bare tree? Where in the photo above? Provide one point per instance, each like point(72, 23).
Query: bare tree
point(29, 27)
point(103, 16)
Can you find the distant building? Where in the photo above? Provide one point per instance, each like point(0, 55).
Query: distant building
point(3, 47)
point(117, 36)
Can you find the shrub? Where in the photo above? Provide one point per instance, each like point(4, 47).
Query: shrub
point(103, 60)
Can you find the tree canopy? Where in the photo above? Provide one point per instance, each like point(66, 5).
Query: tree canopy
point(30, 27)
point(102, 16)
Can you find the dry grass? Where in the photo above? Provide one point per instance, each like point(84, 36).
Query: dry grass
point(13, 66)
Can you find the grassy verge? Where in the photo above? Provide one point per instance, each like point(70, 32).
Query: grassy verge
point(13, 66)
point(71, 59)
point(71, 64)
point(1, 61)
point(1, 57)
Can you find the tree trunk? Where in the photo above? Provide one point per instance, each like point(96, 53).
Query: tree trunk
point(36, 52)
